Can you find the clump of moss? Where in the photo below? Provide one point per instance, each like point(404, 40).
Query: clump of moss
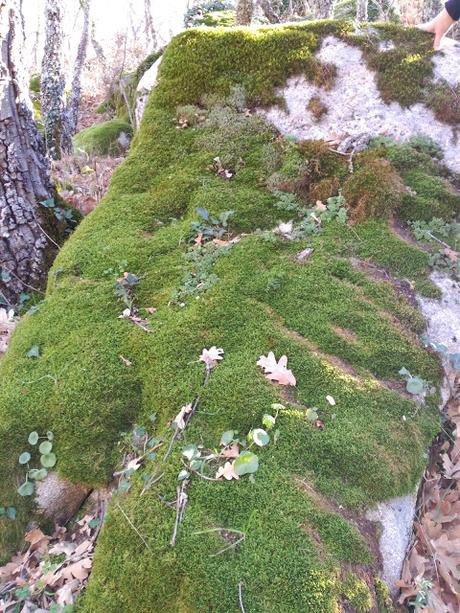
point(317, 107)
point(402, 73)
point(374, 190)
point(358, 594)
point(384, 601)
point(444, 100)
point(103, 138)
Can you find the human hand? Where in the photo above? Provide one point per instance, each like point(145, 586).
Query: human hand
point(439, 26)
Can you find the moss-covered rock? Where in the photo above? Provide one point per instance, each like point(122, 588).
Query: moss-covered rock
point(104, 138)
point(344, 333)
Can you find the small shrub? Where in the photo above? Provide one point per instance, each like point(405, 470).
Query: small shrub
point(374, 190)
point(317, 107)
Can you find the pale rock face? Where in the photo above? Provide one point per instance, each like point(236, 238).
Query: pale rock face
point(145, 86)
point(59, 500)
point(355, 106)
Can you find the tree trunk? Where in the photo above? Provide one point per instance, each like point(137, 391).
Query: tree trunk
point(73, 104)
point(24, 178)
point(362, 10)
point(244, 12)
point(322, 9)
point(271, 9)
point(52, 80)
point(150, 33)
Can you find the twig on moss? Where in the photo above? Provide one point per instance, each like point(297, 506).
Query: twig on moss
point(133, 527)
point(49, 237)
point(240, 597)
point(181, 503)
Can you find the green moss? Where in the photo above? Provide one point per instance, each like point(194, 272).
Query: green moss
point(262, 299)
point(102, 138)
point(444, 100)
point(384, 602)
point(357, 592)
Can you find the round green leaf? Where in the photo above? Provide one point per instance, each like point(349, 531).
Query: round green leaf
point(278, 407)
point(24, 457)
point(34, 352)
point(33, 438)
point(26, 489)
point(268, 421)
point(415, 386)
point(50, 436)
point(246, 463)
point(11, 513)
point(227, 437)
point(190, 452)
point(184, 474)
point(38, 474)
point(260, 437)
point(48, 460)
point(45, 447)
point(311, 414)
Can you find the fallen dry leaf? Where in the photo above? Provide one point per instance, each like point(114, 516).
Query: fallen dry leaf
point(233, 451)
point(277, 371)
point(179, 420)
point(211, 356)
point(227, 472)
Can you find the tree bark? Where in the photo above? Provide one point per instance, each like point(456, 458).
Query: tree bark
point(322, 9)
point(362, 10)
point(52, 80)
point(24, 177)
point(73, 104)
point(244, 12)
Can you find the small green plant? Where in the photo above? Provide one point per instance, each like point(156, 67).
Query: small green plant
point(8, 512)
point(428, 230)
point(209, 228)
point(137, 446)
point(47, 460)
point(422, 599)
point(124, 287)
point(234, 459)
point(414, 385)
point(453, 358)
point(61, 214)
point(199, 276)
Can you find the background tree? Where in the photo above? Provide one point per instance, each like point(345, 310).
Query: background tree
point(52, 79)
point(322, 9)
point(24, 178)
point(150, 33)
point(362, 10)
point(73, 103)
point(244, 12)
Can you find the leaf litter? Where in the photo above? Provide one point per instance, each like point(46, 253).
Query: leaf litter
point(52, 570)
point(431, 573)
